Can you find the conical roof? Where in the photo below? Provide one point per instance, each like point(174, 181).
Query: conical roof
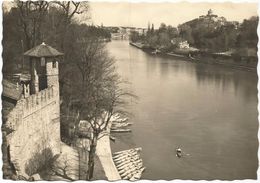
point(43, 50)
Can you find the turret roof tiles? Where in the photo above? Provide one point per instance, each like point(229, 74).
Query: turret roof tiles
point(43, 50)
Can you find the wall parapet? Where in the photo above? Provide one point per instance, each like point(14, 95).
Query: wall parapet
point(29, 105)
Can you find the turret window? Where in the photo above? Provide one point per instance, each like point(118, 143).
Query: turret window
point(42, 61)
point(54, 64)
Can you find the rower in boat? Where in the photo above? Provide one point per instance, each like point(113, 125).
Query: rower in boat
point(178, 152)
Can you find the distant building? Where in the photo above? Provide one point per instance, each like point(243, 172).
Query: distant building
point(123, 33)
point(141, 31)
point(180, 43)
point(210, 20)
point(209, 15)
point(183, 45)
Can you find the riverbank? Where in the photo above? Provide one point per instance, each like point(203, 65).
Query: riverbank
point(105, 156)
point(249, 64)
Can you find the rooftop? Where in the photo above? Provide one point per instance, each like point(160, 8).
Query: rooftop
point(43, 50)
point(11, 90)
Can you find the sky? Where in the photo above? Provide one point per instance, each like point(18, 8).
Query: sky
point(139, 14)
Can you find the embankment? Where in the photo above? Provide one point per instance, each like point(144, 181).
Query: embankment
point(244, 63)
point(105, 155)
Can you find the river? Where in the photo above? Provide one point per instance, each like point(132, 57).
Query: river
point(210, 111)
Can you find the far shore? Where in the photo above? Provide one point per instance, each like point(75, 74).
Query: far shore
point(202, 57)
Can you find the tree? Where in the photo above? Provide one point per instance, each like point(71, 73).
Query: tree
point(152, 29)
point(32, 15)
point(134, 36)
point(98, 90)
point(162, 27)
point(247, 36)
point(12, 41)
point(229, 36)
point(153, 41)
point(164, 40)
point(111, 102)
point(172, 31)
point(148, 28)
point(68, 10)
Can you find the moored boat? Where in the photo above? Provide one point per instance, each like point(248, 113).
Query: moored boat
point(121, 156)
point(126, 156)
point(138, 149)
point(137, 176)
point(120, 130)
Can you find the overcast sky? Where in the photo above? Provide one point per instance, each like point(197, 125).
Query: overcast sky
point(139, 14)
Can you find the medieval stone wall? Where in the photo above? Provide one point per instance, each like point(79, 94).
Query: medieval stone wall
point(36, 125)
point(52, 72)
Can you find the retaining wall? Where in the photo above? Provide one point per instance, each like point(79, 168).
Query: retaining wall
point(36, 125)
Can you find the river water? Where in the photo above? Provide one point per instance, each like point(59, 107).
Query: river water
point(210, 111)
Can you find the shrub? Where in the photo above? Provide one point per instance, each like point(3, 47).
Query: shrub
point(40, 161)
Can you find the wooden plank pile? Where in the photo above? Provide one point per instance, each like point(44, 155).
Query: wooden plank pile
point(129, 164)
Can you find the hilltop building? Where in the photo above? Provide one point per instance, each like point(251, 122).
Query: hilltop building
point(209, 15)
point(180, 43)
point(213, 17)
point(208, 20)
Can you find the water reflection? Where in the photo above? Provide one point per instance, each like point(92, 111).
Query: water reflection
point(222, 77)
point(243, 82)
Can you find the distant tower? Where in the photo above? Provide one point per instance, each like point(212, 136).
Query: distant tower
point(152, 30)
point(210, 12)
point(149, 28)
point(44, 68)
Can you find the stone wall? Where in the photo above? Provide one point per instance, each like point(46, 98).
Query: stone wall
point(52, 72)
point(36, 125)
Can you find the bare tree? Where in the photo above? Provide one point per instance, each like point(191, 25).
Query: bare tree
point(70, 8)
point(31, 15)
point(111, 101)
point(62, 168)
point(100, 91)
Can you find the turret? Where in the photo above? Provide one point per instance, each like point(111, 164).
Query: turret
point(44, 68)
point(210, 12)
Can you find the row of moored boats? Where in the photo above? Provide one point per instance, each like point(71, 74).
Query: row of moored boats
point(119, 124)
point(129, 164)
